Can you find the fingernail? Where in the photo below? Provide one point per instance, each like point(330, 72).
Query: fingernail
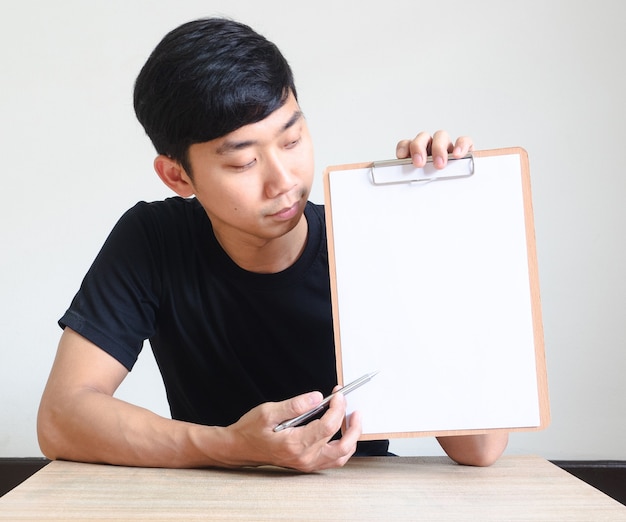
point(438, 161)
point(418, 159)
point(457, 151)
point(314, 398)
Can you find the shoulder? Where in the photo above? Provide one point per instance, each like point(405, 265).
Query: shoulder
point(175, 208)
point(146, 229)
point(169, 216)
point(316, 242)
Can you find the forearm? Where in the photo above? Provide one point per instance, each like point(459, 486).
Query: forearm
point(89, 426)
point(475, 450)
point(92, 427)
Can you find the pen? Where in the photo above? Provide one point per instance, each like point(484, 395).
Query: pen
point(311, 413)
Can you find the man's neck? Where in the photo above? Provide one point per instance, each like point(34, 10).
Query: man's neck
point(270, 256)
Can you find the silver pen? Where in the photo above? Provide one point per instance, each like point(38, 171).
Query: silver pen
point(311, 413)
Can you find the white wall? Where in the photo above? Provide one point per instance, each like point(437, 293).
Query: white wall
point(544, 74)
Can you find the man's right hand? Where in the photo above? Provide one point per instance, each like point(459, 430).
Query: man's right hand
point(307, 448)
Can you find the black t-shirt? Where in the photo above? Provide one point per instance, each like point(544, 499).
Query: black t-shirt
point(225, 339)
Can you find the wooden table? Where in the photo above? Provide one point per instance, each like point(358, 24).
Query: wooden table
point(381, 489)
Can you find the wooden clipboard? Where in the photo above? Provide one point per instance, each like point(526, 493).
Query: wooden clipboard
point(434, 283)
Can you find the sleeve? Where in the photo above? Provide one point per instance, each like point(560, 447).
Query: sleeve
point(117, 303)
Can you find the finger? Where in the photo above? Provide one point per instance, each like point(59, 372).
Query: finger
point(463, 146)
point(333, 418)
point(342, 449)
point(354, 426)
point(337, 413)
point(402, 149)
point(417, 149)
point(440, 147)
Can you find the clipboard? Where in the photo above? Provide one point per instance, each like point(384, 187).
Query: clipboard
point(434, 283)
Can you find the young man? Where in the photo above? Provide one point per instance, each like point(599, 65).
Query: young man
point(231, 286)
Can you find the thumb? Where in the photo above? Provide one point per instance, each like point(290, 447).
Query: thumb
point(302, 403)
point(296, 406)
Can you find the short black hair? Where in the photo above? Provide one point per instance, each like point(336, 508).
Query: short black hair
point(205, 79)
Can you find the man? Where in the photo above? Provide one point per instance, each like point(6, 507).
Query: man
point(231, 286)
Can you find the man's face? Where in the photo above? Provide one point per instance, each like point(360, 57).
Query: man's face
point(255, 181)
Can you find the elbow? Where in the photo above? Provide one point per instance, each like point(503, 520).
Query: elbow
point(48, 434)
point(481, 459)
point(45, 442)
point(475, 450)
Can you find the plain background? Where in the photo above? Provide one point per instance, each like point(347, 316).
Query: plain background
point(543, 74)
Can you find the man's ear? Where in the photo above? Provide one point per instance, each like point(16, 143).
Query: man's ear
point(173, 175)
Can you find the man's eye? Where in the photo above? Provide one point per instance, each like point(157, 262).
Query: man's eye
point(293, 143)
point(244, 167)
